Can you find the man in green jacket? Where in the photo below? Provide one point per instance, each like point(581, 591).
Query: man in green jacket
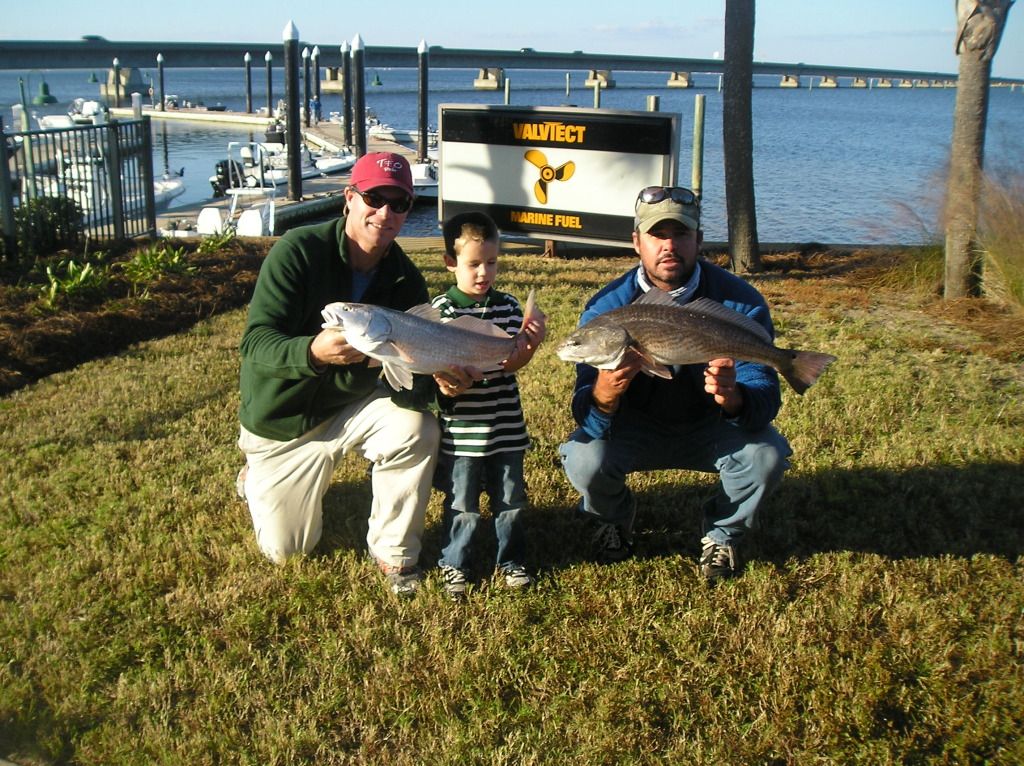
point(308, 397)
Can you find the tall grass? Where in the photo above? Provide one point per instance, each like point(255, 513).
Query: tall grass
point(880, 619)
point(1001, 237)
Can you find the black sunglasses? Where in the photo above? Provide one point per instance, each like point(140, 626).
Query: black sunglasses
point(655, 194)
point(375, 200)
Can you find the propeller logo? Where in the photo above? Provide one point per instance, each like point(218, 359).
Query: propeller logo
point(547, 173)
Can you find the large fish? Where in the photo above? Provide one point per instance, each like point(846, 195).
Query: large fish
point(418, 341)
point(665, 333)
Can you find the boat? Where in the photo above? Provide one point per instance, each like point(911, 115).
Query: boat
point(82, 112)
point(256, 164)
point(381, 131)
point(425, 179)
point(85, 180)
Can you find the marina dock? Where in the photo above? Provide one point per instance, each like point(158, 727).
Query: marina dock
point(321, 196)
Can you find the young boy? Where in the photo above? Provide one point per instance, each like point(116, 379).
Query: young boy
point(483, 432)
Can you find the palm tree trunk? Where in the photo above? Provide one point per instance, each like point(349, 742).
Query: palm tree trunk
point(981, 25)
point(963, 260)
point(737, 136)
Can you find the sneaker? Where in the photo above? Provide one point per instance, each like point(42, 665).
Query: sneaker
point(454, 581)
point(516, 577)
point(611, 543)
point(240, 482)
point(403, 581)
point(718, 561)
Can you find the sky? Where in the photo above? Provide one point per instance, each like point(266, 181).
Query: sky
point(907, 34)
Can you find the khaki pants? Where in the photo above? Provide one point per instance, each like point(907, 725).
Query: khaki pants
point(286, 480)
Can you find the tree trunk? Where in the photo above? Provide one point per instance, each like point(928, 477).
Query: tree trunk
point(737, 136)
point(980, 28)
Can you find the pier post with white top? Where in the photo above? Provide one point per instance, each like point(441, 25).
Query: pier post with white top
point(305, 86)
point(423, 69)
point(293, 132)
point(270, 84)
point(346, 100)
point(358, 96)
point(248, 82)
point(160, 79)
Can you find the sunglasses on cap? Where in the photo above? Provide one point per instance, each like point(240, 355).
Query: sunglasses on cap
point(376, 200)
point(654, 194)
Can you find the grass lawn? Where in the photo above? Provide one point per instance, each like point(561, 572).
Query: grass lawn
point(880, 619)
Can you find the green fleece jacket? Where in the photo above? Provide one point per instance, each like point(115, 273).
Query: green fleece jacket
point(282, 396)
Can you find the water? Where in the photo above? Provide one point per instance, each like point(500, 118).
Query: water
point(843, 165)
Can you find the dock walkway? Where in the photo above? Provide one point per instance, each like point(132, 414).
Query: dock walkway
point(321, 197)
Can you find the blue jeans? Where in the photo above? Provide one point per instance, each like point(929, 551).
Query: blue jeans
point(461, 479)
point(749, 465)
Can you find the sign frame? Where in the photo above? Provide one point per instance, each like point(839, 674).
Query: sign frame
point(554, 173)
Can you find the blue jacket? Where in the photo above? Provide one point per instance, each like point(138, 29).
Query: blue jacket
point(682, 400)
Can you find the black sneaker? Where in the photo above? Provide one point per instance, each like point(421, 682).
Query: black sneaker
point(611, 543)
point(454, 581)
point(718, 561)
point(516, 577)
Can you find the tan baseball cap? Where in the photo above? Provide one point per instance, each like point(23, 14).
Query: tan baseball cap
point(660, 203)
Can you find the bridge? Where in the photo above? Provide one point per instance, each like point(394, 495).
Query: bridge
point(93, 52)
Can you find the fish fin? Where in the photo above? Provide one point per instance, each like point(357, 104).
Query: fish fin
point(480, 326)
point(650, 366)
point(398, 377)
point(712, 308)
point(656, 297)
point(425, 311)
point(807, 366)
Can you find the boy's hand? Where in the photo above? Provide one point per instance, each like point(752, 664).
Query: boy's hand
point(456, 380)
point(534, 331)
point(527, 340)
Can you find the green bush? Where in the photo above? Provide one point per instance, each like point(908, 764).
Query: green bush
point(215, 242)
point(44, 225)
point(69, 281)
point(150, 263)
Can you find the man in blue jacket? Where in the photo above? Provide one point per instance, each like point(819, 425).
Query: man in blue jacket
point(715, 417)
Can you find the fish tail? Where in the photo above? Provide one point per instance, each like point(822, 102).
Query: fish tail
point(531, 309)
point(805, 369)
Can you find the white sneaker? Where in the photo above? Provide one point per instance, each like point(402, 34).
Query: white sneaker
point(516, 577)
point(454, 582)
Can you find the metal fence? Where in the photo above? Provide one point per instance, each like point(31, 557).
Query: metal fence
point(60, 184)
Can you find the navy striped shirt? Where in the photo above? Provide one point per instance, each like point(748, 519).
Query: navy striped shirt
point(488, 417)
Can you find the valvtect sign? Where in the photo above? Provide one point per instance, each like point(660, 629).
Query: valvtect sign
point(554, 173)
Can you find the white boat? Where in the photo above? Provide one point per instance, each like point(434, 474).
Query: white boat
point(255, 164)
point(425, 179)
point(85, 180)
point(381, 131)
point(82, 112)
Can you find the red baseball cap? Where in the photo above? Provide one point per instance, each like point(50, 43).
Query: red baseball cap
point(382, 169)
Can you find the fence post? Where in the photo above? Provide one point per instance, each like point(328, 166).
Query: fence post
point(115, 200)
point(146, 171)
point(10, 237)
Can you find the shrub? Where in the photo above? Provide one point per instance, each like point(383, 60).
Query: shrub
point(150, 263)
point(215, 242)
point(69, 281)
point(44, 225)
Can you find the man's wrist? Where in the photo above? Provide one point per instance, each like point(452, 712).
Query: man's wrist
point(317, 367)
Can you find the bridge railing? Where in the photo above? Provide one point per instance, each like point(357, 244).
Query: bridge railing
point(59, 184)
